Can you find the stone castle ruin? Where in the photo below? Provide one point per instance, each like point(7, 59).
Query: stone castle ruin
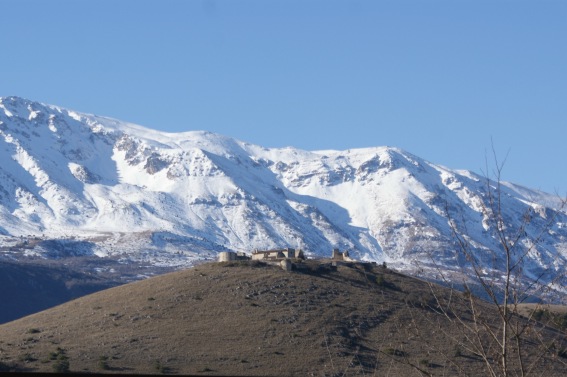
point(277, 254)
point(338, 256)
point(227, 256)
point(283, 257)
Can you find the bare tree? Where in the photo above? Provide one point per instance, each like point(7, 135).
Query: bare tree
point(500, 341)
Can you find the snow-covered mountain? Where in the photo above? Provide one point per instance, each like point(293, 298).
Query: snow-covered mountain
point(79, 184)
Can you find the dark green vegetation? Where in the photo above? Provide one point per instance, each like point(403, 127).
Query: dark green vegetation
point(249, 318)
point(558, 320)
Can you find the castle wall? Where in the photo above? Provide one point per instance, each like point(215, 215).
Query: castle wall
point(226, 256)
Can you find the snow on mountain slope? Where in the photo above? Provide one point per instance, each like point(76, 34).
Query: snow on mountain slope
point(170, 199)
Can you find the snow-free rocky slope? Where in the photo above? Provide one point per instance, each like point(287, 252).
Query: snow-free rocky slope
point(74, 184)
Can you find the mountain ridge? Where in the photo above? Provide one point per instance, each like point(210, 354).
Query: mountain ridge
point(143, 196)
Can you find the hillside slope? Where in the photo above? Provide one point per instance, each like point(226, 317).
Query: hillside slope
point(247, 318)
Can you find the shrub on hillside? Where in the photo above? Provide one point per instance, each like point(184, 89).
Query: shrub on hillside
point(61, 365)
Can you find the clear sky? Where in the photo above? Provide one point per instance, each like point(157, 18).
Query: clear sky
point(440, 79)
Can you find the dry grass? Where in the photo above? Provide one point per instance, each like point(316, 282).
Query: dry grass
point(245, 318)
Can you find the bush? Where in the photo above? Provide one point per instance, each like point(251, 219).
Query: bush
point(383, 283)
point(61, 365)
point(103, 363)
point(425, 362)
point(394, 352)
point(550, 318)
point(561, 320)
point(538, 314)
point(159, 367)
point(62, 361)
point(422, 301)
point(58, 354)
point(27, 357)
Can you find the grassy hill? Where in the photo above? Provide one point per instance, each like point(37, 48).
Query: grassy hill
point(249, 318)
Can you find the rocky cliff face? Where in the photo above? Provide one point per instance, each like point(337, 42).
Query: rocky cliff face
point(117, 190)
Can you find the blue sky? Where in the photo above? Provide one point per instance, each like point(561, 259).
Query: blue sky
point(440, 79)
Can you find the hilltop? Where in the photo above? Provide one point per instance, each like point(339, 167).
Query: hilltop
point(251, 318)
